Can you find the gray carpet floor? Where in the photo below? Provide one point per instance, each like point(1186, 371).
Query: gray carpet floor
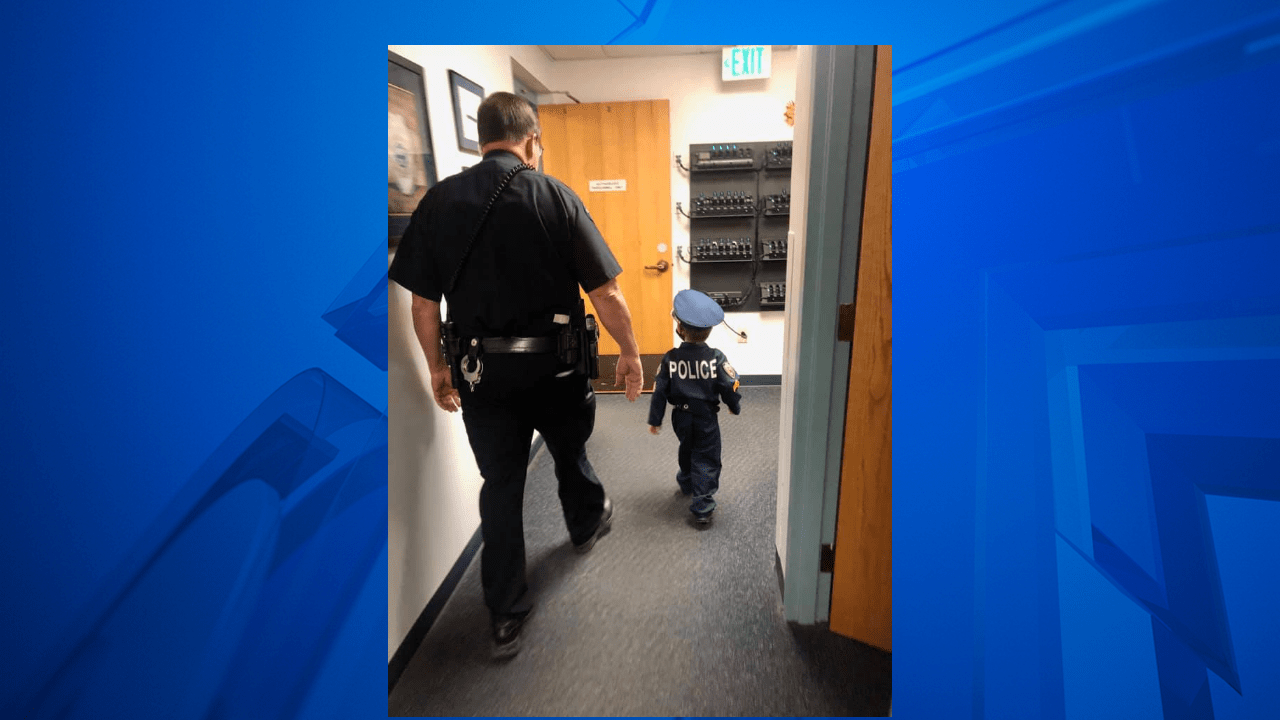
point(660, 618)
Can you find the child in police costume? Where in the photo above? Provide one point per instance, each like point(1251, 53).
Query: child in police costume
point(694, 378)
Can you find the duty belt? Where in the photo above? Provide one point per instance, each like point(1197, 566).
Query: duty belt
point(471, 350)
point(518, 344)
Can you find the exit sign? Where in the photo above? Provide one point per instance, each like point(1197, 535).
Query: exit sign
point(746, 62)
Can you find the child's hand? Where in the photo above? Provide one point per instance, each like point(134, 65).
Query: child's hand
point(654, 429)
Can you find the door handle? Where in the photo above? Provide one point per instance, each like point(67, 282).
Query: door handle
point(660, 267)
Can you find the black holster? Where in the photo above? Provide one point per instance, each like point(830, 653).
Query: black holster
point(578, 344)
point(450, 345)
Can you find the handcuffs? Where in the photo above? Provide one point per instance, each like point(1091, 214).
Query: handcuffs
point(472, 374)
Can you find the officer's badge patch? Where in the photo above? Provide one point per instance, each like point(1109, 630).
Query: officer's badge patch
point(730, 372)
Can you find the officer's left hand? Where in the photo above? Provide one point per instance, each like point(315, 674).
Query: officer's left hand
point(445, 394)
point(654, 429)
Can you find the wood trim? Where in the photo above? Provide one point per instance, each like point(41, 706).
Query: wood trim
point(862, 583)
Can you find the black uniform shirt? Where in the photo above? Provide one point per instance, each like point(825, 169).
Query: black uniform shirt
point(697, 375)
point(537, 247)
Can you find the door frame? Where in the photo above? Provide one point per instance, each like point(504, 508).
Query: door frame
point(831, 160)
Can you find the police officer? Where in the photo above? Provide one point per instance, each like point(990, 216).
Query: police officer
point(694, 378)
point(508, 247)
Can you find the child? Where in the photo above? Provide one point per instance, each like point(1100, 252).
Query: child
point(694, 378)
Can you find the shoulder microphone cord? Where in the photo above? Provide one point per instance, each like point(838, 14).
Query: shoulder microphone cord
point(502, 185)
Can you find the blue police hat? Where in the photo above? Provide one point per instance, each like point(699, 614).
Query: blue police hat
point(697, 310)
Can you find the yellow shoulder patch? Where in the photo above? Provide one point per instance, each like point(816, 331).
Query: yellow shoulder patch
point(735, 386)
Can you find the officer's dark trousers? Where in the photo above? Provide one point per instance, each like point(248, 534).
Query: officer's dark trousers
point(518, 394)
point(699, 474)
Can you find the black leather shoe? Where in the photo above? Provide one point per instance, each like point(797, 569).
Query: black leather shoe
point(606, 519)
point(506, 635)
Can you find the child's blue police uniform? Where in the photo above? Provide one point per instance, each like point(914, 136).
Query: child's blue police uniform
point(694, 378)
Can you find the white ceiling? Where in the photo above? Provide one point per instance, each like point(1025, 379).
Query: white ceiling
point(604, 52)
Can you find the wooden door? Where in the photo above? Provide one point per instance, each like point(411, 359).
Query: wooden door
point(862, 578)
point(627, 142)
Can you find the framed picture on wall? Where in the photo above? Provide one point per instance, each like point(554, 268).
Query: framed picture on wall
point(411, 165)
point(466, 100)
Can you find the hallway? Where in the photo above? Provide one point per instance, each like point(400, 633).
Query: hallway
point(660, 618)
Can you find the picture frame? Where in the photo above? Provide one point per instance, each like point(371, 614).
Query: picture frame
point(466, 99)
point(411, 164)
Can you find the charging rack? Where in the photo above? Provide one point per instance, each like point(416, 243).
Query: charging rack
point(739, 213)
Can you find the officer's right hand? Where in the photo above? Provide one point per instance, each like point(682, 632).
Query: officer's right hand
point(629, 372)
point(445, 394)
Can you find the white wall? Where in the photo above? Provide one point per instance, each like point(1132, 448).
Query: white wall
point(800, 165)
point(704, 109)
point(433, 483)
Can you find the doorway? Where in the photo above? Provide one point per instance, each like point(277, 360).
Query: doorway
point(835, 476)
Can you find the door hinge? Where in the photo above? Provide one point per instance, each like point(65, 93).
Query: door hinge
point(844, 331)
point(827, 563)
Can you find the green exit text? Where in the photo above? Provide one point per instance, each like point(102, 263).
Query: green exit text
point(746, 62)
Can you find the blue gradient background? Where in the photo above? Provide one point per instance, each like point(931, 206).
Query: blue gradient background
point(1087, 211)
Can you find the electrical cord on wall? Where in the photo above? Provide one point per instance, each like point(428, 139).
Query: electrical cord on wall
point(735, 332)
point(751, 286)
point(746, 294)
point(680, 164)
point(682, 212)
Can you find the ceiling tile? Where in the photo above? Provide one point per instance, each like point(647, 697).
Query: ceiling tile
point(631, 51)
point(574, 52)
